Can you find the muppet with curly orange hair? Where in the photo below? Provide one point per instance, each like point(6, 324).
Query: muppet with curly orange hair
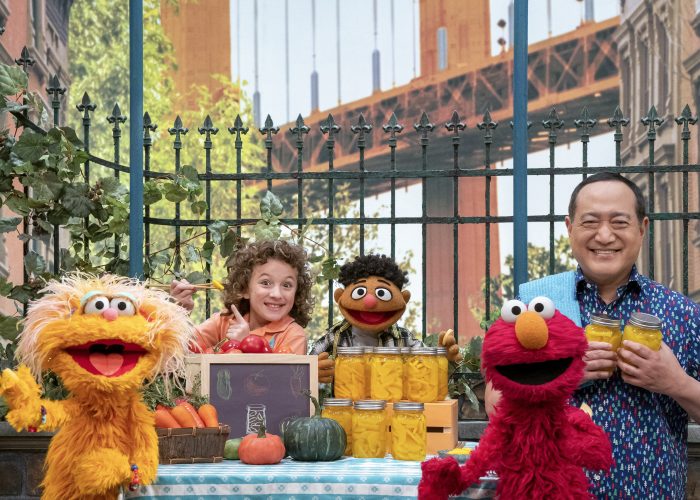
point(536, 443)
point(103, 337)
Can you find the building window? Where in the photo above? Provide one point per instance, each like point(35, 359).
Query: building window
point(644, 82)
point(442, 48)
point(36, 22)
point(664, 66)
point(626, 76)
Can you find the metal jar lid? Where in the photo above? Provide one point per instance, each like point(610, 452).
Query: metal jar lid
point(370, 404)
point(645, 320)
point(369, 349)
point(337, 402)
point(387, 350)
point(424, 351)
point(442, 351)
point(349, 351)
point(605, 320)
point(408, 406)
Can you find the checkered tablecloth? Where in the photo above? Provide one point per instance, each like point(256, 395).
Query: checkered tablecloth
point(347, 478)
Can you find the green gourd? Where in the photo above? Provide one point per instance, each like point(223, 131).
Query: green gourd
point(314, 439)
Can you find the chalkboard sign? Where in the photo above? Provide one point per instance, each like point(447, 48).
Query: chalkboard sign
point(253, 389)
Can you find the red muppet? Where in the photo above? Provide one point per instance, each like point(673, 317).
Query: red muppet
point(536, 442)
point(372, 302)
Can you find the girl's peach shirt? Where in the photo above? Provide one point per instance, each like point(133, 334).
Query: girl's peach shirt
point(288, 335)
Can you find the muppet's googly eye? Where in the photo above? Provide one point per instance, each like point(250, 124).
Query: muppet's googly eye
point(96, 305)
point(542, 306)
point(123, 306)
point(359, 292)
point(383, 294)
point(511, 310)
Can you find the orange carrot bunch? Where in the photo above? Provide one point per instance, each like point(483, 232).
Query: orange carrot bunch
point(183, 414)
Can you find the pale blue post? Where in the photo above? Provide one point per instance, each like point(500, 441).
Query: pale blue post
point(520, 143)
point(136, 138)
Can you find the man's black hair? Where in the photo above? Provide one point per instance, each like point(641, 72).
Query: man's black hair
point(373, 265)
point(640, 203)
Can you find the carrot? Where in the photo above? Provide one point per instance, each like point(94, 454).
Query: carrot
point(209, 415)
point(165, 419)
point(195, 416)
point(183, 417)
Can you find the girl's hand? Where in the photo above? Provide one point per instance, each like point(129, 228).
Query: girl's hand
point(238, 327)
point(182, 291)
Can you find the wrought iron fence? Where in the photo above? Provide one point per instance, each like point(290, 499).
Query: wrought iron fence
point(293, 180)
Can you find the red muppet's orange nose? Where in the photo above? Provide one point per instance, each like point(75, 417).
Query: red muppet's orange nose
point(531, 330)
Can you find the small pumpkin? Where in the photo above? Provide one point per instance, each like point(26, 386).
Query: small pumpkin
point(261, 448)
point(315, 439)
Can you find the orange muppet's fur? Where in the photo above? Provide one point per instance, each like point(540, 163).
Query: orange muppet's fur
point(103, 337)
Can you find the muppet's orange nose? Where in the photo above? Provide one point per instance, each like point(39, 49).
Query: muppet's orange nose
point(369, 301)
point(531, 330)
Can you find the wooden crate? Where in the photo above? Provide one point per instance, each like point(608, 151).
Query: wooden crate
point(441, 420)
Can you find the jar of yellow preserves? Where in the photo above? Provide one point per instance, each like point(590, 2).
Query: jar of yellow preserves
point(369, 429)
point(350, 373)
point(368, 352)
point(386, 374)
point(340, 410)
point(422, 375)
point(442, 372)
point(603, 328)
point(409, 435)
point(645, 329)
point(405, 352)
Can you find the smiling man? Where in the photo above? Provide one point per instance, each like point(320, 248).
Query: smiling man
point(645, 403)
point(371, 302)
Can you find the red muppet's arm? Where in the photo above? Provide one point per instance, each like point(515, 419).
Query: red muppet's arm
point(443, 477)
point(586, 443)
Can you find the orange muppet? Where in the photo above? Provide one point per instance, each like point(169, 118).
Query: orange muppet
point(103, 337)
point(371, 302)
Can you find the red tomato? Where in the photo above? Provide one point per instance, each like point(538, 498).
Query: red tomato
point(229, 344)
point(254, 344)
point(234, 351)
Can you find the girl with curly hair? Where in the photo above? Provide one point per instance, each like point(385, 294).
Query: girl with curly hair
point(267, 293)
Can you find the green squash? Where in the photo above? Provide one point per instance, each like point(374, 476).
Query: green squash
point(315, 439)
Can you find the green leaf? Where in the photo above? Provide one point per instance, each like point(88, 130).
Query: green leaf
point(7, 225)
point(12, 80)
point(270, 206)
point(196, 277)
point(18, 203)
point(71, 136)
point(265, 231)
point(175, 193)
point(5, 287)
point(191, 253)
point(228, 243)
point(112, 187)
point(75, 200)
point(34, 263)
point(22, 293)
point(217, 230)
point(68, 262)
point(207, 251)
point(199, 207)
point(30, 146)
point(151, 192)
point(9, 327)
point(190, 178)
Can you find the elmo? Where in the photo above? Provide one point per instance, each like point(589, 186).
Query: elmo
point(104, 337)
point(536, 442)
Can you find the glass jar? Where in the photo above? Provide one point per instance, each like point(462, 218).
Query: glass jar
point(405, 352)
point(442, 372)
point(386, 369)
point(603, 328)
point(350, 374)
point(422, 375)
point(340, 410)
point(369, 429)
point(409, 435)
point(645, 329)
point(368, 352)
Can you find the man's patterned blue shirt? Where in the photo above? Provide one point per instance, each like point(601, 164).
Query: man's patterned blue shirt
point(648, 431)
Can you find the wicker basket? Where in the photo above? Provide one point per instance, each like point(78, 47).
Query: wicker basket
point(192, 445)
